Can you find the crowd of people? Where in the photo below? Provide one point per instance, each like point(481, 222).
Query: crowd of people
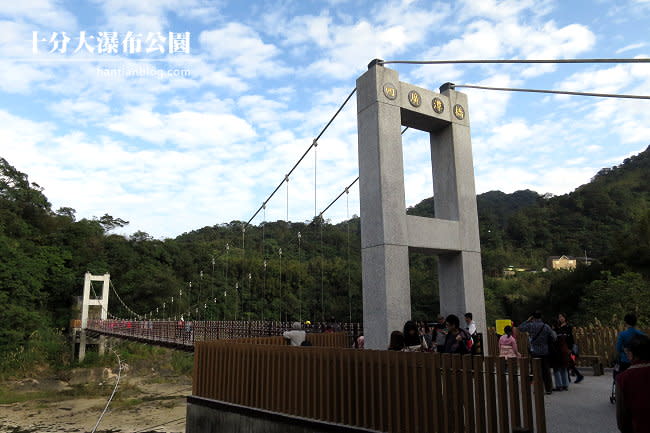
point(445, 335)
point(553, 344)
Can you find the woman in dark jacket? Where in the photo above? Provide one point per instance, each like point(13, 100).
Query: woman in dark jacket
point(561, 355)
point(396, 341)
point(412, 340)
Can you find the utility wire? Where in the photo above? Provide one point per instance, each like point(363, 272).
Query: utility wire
point(117, 382)
point(312, 145)
point(512, 61)
point(555, 92)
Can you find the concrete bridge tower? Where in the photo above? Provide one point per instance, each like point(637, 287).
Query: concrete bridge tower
point(384, 105)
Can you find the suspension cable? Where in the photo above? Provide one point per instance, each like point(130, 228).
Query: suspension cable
point(313, 144)
point(554, 92)
point(347, 188)
point(512, 61)
point(122, 302)
point(338, 197)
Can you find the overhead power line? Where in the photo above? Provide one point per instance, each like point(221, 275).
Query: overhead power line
point(313, 144)
point(117, 383)
point(554, 92)
point(511, 61)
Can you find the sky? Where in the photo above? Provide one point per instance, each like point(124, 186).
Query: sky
point(174, 134)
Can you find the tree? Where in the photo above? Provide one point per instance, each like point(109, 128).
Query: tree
point(109, 223)
point(609, 299)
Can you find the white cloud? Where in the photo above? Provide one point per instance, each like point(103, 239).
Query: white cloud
point(242, 48)
point(631, 47)
point(47, 13)
point(344, 48)
point(80, 110)
point(153, 16)
point(185, 129)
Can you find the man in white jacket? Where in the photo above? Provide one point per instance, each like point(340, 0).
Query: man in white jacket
point(296, 336)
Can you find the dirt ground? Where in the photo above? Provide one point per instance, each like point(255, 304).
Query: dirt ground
point(140, 405)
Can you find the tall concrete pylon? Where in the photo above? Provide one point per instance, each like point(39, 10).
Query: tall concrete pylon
point(87, 302)
point(384, 105)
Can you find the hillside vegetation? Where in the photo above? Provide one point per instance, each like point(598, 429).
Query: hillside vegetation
point(46, 253)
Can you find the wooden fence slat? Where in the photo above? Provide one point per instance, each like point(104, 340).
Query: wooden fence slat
point(436, 392)
point(387, 416)
point(479, 394)
point(538, 396)
point(502, 396)
point(514, 393)
point(526, 400)
point(457, 394)
point(490, 391)
point(468, 393)
point(446, 395)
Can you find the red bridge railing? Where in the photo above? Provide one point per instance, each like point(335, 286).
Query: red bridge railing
point(184, 334)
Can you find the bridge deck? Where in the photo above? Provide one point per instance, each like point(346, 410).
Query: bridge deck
point(183, 334)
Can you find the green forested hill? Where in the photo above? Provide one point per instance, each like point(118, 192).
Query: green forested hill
point(45, 253)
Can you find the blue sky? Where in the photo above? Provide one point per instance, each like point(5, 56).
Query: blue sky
point(201, 138)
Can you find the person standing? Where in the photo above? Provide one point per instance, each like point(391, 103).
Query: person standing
point(473, 332)
point(457, 338)
point(296, 336)
point(396, 341)
point(508, 345)
point(567, 330)
point(632, 402)
point(412, 339)
point(440, 333)
point(540, 334)
point(624, 339)
point(470, 326)
point(561, 355)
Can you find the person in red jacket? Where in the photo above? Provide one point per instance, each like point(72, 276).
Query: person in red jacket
point(632, 388)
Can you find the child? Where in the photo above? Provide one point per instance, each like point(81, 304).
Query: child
point(508, 345)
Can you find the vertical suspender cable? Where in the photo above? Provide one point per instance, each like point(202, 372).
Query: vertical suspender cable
point(286, 179)
point(299, 280)
point(243, 268)
point(264, 233)
point(347, 213)
point(315, 171)
point(264, 260)
point(322, 296)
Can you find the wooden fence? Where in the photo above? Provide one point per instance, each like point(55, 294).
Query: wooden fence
point(596, 345)
point(379, 390)
point(336, 339)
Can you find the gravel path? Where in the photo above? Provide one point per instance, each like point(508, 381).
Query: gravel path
point(585, 408)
